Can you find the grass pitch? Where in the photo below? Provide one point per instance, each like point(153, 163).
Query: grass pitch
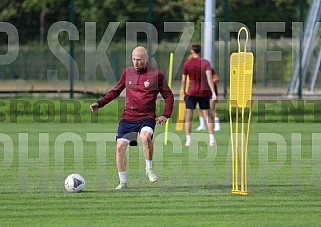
point(194, 186)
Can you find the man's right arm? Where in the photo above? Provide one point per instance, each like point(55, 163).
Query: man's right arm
point(184, 83)
point(111, 95)
point(184, 77)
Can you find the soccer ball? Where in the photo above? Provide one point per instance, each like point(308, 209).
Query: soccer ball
point(74, 183)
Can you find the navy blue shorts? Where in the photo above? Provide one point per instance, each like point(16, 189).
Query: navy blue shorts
point(128, 130)
point(203, 102)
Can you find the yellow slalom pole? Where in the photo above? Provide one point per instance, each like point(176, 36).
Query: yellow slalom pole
point(242, 156)
point(236, 160)
point(232, 150)
point(181, 107)
point(247, 145)
point(170, 75)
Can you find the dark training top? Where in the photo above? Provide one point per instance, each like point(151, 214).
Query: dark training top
point(142, 88)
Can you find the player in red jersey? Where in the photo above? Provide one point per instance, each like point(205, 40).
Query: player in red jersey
point(143, 83)
point(200, 90)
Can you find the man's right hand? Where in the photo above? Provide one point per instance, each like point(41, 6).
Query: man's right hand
point(94, 107)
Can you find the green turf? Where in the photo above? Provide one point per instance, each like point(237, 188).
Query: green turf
point(194, 186)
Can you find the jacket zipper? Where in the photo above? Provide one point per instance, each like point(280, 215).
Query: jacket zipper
point(139, 73)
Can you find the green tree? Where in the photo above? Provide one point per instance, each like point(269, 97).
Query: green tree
point(251, 11)
point(33, 17)
point(42, 7)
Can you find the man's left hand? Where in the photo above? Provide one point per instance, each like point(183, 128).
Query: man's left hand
point(161, 120)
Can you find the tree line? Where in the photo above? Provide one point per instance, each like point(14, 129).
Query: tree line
point(33, 18)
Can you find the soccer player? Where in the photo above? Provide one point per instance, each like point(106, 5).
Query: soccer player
point(217, 126)
point(200, 90)
point(143, 83)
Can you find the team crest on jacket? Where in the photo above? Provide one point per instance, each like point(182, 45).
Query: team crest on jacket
point(146, 83)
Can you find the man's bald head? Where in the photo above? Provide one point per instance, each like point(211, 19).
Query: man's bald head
point(139, 58)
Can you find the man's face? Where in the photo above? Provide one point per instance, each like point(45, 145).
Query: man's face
point(139, 59)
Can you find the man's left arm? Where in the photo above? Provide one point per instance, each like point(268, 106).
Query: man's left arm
point(167, 94)
point(210, 83)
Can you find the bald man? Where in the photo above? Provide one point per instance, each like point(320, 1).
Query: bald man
point(143, 84)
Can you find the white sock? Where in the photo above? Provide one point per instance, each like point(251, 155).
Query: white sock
point(149, 165)
point(202, 122)
point(188, 138)
point(122, 177)
point(217, 126)
point(212, 138)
